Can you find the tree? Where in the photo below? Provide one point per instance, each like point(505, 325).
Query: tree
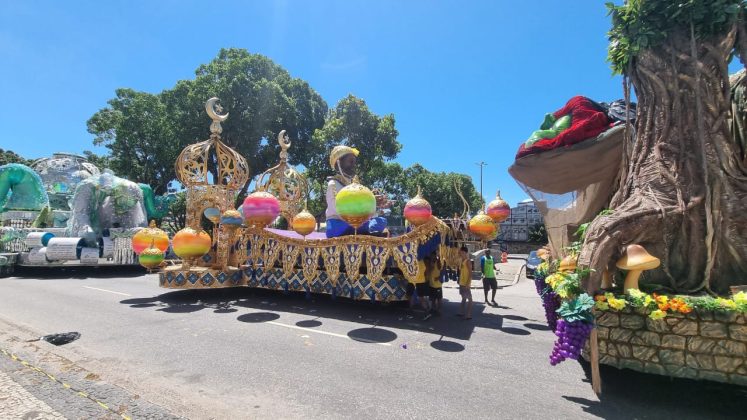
point(352, 123)
point(101, 162)
point(139, 132)
point(9, 156)
point(682, 185)
point(146, 132)
point(438, 188)
point(538, 234)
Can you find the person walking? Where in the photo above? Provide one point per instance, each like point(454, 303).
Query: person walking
point(465, 280)
point(487, 267)
point(433, 274)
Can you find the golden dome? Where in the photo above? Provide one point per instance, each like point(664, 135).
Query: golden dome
point(192, 164)
point(285, 182)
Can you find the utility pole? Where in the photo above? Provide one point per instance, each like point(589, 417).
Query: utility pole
point(481, 164)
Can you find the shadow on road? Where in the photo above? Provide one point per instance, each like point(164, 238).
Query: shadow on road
point(78, 273)
point(378, 314)
point(629, 394)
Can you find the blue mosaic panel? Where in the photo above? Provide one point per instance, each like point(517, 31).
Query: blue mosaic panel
point(236, 277)
point(385, 293)
point(208, 279)
point(179, 279)
point(222, 277)
point(193, 277)
point(364, 282)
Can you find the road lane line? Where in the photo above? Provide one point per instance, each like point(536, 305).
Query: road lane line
point(295, 327)
point(104, 290)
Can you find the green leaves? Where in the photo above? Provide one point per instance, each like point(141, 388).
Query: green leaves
point(577, 309)
point(145, 132)
point(642, 24)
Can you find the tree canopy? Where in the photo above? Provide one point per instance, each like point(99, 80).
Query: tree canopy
point(9, 156)
point(145, 132)
point(642, 24)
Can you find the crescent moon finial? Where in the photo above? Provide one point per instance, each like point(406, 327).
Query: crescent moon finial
point(213, 108)
point(284, 140)
point(285, 144)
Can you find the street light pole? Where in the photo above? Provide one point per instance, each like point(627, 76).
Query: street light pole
point(481, 164)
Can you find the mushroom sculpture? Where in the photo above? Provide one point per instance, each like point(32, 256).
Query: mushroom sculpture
point(636, 260)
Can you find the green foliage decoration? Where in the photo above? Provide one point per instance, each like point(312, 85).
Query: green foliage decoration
point(577, 309)
point(641, 24)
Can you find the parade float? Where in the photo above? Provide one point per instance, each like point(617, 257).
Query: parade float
point(243, 250)
point(62, 211)
point(646, 266)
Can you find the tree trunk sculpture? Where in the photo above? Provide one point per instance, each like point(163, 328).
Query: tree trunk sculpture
point(683, 186)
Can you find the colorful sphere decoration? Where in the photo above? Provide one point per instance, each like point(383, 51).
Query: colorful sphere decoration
point(150, 235)
point(498, 209)
point(418, 210)
point(483, 226)
point(260, 208)
point(189, 243)
point(212, 214)
point(304, 223)
point(151, 257)
point(231, 219)
point(355, 204)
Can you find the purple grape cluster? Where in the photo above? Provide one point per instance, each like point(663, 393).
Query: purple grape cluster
point(539, 283)
point(571, 339)
point(551, 303)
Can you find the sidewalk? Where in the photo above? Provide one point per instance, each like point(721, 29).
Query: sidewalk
point(37, 382)
point(17, 403)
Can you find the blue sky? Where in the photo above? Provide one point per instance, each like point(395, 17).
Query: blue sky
point(466, 80)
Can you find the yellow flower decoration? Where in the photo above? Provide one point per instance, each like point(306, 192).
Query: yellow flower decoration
point(635, 293)
point(601, 305)
point(740, 298)
point(617, 304)
point(648, 300)
point(554, 279)
point(657, 314)
point(726, 303)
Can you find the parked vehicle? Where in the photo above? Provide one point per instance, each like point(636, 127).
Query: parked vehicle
point(532, 262)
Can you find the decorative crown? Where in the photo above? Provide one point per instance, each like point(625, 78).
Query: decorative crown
point(231, 169)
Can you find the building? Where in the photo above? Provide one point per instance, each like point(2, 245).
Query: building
point(523, 217)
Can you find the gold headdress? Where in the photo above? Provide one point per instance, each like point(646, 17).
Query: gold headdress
point(338, 152)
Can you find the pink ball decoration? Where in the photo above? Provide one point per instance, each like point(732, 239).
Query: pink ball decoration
point(418, 210)
point(260, 209)
point(498, 209)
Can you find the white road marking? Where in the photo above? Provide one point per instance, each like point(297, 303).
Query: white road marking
point(104, 290)
point(295, 327)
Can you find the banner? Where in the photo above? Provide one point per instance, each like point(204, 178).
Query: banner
point(38, 256)
point(106, 246)
point(64, 249)
point(38, 239)
point(89, 256)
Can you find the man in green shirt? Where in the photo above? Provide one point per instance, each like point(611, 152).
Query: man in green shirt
point(487, 266)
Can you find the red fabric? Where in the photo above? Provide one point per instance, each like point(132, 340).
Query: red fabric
point(587, 121)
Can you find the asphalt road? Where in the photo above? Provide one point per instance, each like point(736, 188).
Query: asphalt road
point(245, 353)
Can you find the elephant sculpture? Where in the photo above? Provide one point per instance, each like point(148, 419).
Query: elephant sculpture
point(21, 189)
point(105, 201)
